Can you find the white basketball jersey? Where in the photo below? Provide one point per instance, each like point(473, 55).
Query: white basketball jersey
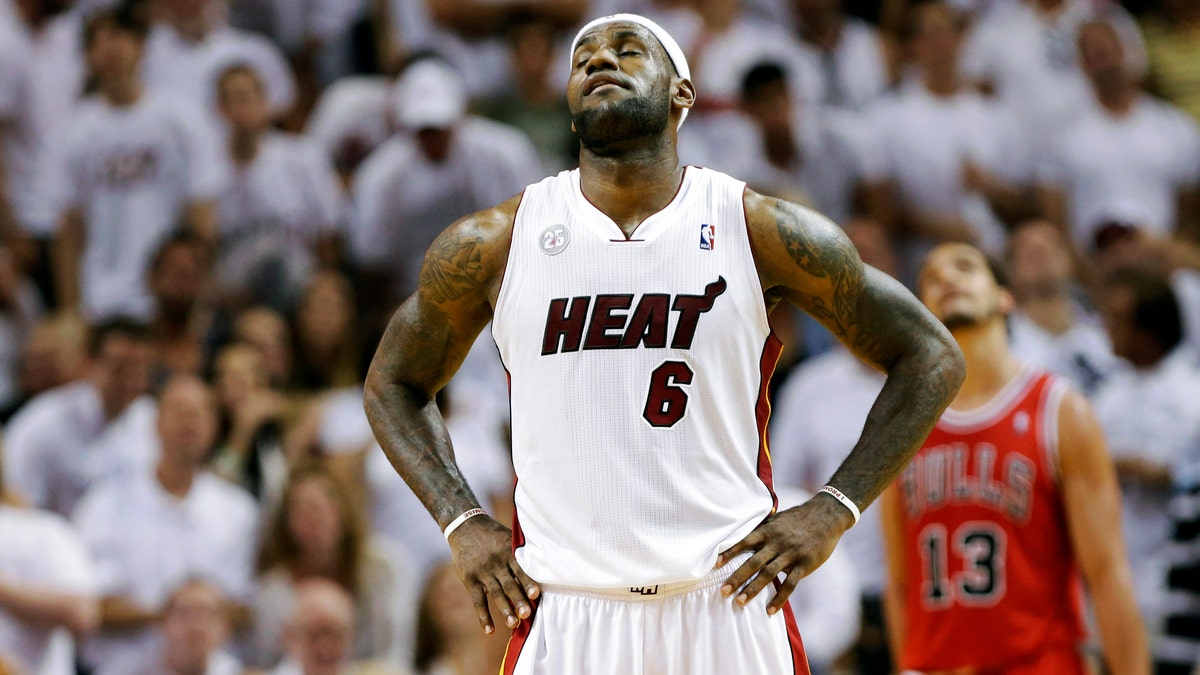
point(638, 377)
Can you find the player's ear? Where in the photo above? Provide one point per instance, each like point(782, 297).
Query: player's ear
point(685, 93)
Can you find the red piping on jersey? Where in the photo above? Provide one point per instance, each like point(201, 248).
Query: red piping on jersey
point(799, 658)
point(762, 411)
point(516, 643)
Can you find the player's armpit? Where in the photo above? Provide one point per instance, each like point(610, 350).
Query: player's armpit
point(1092, 501)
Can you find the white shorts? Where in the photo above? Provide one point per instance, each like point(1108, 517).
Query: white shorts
point(684, 629)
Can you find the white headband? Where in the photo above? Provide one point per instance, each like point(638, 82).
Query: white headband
point(664, 38)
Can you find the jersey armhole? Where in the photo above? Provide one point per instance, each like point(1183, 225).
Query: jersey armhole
point(762, 294)
point(501, 295)
point(1051, 409)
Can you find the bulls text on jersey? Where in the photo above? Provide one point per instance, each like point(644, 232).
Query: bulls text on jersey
point(957, 474)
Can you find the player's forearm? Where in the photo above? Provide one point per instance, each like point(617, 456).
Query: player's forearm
point(1121, 633)
point(920, 384)
point(75, 612)
point(412, 433)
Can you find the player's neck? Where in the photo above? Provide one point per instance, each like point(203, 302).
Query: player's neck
point(630, 189)
point(990, 364)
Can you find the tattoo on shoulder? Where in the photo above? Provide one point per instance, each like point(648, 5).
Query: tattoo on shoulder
point(452, 267)
point(829, 258)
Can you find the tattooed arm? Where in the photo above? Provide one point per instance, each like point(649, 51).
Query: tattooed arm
point(423, 346)
point(804, 258)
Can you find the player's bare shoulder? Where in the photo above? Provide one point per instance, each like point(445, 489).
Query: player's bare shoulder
point(466, 262)
point(788, 238)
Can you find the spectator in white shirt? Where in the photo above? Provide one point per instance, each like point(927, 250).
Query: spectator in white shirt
point(160, 527)
point(134, 166)
point(47, 583)
point(1151, 416)
point(1024, 52)
point(79, 435)
point(193, 628)
point(279, 212)
point(443, 165)
point(188, 50)
point(1050, 328)
point(1124, 146)
point(320, 634)
point(831, 157)
point(933, 131)
point(846, 51)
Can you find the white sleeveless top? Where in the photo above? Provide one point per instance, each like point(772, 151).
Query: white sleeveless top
point(638, 374)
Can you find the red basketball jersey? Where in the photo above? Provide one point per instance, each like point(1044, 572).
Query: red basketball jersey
point(991, 575)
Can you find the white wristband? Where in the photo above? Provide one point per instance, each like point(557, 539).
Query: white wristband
point(454, 524)
point(846, 501)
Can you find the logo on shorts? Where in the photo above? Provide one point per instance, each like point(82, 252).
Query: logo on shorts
point(554, 239)
point(644, 590)
point(708, 237)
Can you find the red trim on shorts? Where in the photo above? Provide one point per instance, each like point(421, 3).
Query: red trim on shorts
point(516, 643)
point(762, 411)
point(799, 658)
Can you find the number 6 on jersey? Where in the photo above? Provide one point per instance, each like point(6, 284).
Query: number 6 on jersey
point(666, 402)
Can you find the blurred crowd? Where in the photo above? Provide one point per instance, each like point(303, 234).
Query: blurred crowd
point(209, 208)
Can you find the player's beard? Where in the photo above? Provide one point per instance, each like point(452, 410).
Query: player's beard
point(606, 130)
point(963, 319)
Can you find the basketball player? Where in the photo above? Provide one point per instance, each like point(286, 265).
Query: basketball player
point(629, 302)
point(1011, 497)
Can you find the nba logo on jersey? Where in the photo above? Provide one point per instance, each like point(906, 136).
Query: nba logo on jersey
point(708, 237)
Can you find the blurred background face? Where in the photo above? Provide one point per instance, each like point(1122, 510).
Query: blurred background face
point(314, 519)
point(322, 632)
point(193, 627)
point(268, 332)
point(242, 100)
point(871, 241)
point(956, 284)
point(240, 370)
point(1100, 53)
point(770, 106)
point(114, 53)
point(450, 606)
point(187, 421)
point(937, 37)
point(121, 370)
point(1116, 305)
point(1038, 258)
point(178, 279)
point(326, 312)
point(54, 353)
point(532, 51)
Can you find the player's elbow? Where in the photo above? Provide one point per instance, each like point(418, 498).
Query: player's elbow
point(946, 363)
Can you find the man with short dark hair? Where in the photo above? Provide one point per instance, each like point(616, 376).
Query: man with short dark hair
point(1007, 510)
point(68, 439)
point(1150, 412)
point(133, 166)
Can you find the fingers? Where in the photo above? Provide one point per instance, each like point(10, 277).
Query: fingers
point(496, 593)
point(785, 590)
point(515, 595)
point(751, 542)
point(532, 589)
point(479, 599)
point(759, 582)
point(743, 573)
